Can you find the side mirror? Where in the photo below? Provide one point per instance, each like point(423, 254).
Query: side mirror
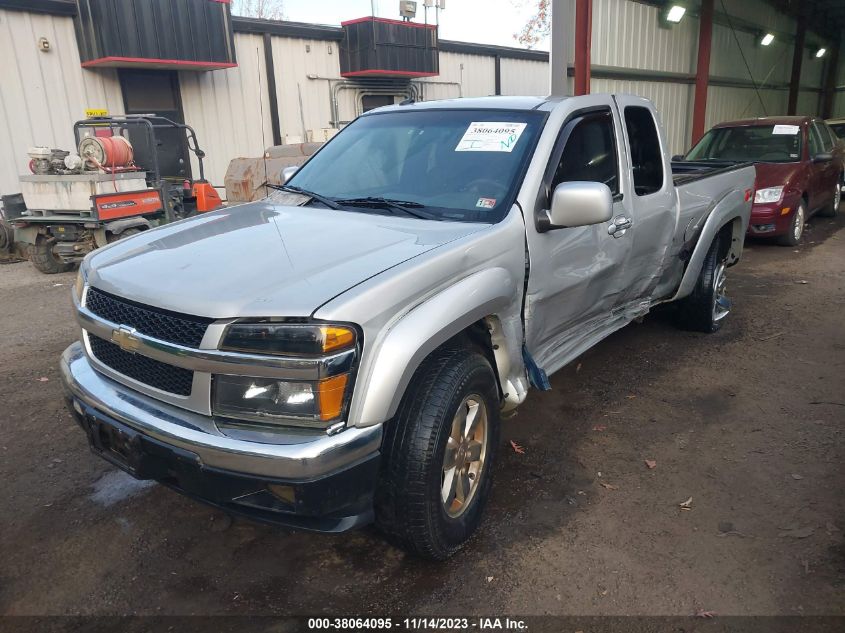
point(577, 204)
point(823, 157)
point(288, 172)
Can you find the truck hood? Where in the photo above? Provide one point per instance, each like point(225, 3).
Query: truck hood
point(262, 259)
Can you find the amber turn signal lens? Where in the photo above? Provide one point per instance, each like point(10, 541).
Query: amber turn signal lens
point(335, 337)
point(785, 210)
point(331, 392)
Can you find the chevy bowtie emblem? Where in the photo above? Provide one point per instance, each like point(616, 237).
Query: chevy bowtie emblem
point(125, 338)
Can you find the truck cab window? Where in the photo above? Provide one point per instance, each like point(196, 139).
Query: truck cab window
point(646, 159)
point(590, 154)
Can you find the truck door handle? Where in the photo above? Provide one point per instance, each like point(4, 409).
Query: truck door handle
point(619, 225)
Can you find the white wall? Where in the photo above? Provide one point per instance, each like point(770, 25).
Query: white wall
point(229, 109)
point(524, 77)
point(475, 73)
point(43, 94)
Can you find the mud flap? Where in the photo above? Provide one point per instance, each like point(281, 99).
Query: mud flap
point(536, 376)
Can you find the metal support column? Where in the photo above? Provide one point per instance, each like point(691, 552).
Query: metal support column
point(583, 42)
point(560, 45)
point(702, 70)
point(797, 59)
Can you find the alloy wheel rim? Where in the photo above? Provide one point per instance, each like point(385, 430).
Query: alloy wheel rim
point(721, 302)
point(837, 196)
point(465, 456)
point(798, 225)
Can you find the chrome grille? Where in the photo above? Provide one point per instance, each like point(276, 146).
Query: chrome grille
point(181, 329)
point(175, 380)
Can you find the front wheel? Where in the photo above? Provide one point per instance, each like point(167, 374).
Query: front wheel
point(439, 453)
point(707, 307)
point(796, 228)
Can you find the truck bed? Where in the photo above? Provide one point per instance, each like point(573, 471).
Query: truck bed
point(687, 171)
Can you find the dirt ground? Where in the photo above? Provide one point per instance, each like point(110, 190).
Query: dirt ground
point(747, 423)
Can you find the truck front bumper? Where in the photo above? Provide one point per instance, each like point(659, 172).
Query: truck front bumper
point(314, 482)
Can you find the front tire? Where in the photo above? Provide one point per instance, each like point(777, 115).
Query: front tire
point(707, 307)
point(796, 228)
point(439, 453)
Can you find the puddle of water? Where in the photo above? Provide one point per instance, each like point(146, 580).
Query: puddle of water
point(117, 486)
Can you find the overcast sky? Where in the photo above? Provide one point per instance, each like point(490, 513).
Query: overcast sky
point(478, 21)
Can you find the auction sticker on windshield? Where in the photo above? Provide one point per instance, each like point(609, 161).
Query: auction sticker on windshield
point(785, 129)
point(490, 136)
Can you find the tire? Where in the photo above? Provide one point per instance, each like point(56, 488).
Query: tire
point(410, 507)
point(831, 210)
point(44, 259)
point(796, 228)
point(707, 307)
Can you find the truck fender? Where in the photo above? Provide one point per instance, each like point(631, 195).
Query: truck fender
point(421, 330)
point(119, 226)
point(727, 211)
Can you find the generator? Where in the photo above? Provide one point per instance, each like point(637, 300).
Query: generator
point(73, 203)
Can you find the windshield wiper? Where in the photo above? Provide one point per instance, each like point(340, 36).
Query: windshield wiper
point(402, 206)
point(331, 204)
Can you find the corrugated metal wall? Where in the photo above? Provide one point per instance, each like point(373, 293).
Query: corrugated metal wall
point(475, 73)
point(229, 109)
point(524, 77)
point(43, 94)
point(627, 35)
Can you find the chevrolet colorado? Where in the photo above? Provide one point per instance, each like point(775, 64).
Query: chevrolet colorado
point(341, 352)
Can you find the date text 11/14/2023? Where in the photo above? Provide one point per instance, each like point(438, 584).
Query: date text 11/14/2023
point(419, 624)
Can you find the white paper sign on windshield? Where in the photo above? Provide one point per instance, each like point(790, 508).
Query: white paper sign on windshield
point(490, 136)
point(785, 129)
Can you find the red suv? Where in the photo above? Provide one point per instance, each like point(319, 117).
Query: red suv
point(799, 164)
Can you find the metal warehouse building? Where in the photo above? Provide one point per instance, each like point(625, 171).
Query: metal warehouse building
point(246, 84)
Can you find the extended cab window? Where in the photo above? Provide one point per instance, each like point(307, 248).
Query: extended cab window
point(590, 154)
point(646, 159)
point(461, 165)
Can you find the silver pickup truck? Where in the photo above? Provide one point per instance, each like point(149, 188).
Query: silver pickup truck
point(342, 351)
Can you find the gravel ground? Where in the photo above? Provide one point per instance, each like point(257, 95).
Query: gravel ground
point(747, 423)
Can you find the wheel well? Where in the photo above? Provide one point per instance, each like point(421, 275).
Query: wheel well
point(729, 236)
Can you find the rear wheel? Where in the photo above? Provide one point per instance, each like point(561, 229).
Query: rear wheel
point(439, 453)
point(831, 210)
point(707, 307)
point(44, 258)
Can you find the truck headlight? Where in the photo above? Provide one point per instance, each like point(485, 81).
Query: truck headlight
point(79, 286)
point(317, 403)
point(287, 339)
point(768, 195)
point(281, 402)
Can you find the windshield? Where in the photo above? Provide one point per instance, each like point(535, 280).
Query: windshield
point(460, 165)
point(750, 143)
point(838, 129)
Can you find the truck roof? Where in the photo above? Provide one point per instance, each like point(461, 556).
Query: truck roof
point(481, 103)
point(766, 120)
